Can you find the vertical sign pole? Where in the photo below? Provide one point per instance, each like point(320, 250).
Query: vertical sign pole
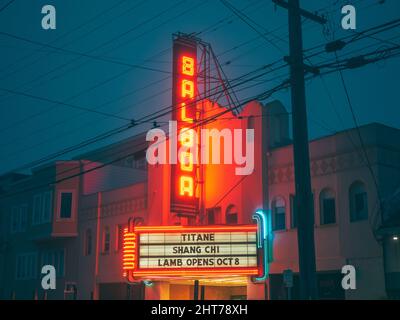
point(196, 290)
point(303, 199)
point(305, 231)
point(128, 291)
point(202, 292)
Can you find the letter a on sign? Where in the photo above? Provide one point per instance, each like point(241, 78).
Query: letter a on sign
point(349, 280)
point(49, 20)
point(49, 280)
point(349, 20)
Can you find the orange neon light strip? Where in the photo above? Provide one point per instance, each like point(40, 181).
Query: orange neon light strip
point(129, 251)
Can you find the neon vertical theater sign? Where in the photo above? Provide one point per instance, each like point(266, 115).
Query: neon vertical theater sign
point(184, 92)
point(201, 251)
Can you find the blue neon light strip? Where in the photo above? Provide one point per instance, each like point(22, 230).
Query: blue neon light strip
point(264, 240)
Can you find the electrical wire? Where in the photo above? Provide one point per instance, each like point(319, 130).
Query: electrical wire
point(239, 77)
point(92, 88)
point(6, 5)
point(261, 96)
point(82, 54)
point(362, 144)
point(114, 100)
point(207, 120)
point(63, 35)
point(154, 116)
point(46, 110)
point(249, 22)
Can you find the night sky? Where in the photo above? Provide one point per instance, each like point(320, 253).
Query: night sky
point(140, 33)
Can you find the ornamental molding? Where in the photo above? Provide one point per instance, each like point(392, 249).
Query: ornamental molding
point(114, 208)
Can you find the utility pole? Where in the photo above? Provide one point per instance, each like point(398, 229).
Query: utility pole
point(304, 197)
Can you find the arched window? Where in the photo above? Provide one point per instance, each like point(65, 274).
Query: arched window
point(278, 214)
point(327, 206)
point(358, 201)
point(231, 215)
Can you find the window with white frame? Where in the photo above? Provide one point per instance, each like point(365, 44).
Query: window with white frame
point(47, 207)
point(37, 209)
point(14, 220)
point(19, 218)
point(26, 266)
point(23, 212)
point(55, 258)
point(42, 207)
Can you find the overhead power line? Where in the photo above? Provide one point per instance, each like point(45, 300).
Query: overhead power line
point(363, 147)
point(119, 98)
point(73, 52)
point(282, 86)
point(6, 5)
point(199, 123)
point(24, 94)
point(135, 27)
point(249, 22)
point(161, 112)
point(65, 34)
point(113, 78)
point(261, 96)
point(154, 116)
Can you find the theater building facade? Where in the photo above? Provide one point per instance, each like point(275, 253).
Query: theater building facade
point(78, 224)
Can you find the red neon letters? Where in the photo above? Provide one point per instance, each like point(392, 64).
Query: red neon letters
point(186, 139)
point(184, 198)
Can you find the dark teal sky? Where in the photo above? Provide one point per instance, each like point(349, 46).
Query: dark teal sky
point(31, 129)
